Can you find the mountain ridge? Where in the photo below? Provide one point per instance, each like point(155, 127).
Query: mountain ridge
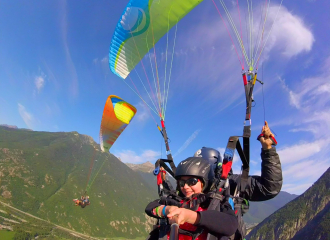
point(305, 217)
point(41, 172)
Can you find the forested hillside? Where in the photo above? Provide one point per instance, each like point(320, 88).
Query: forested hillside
point(42, 172)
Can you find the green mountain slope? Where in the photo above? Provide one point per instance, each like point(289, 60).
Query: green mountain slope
point(260, 210)
point(318, 228)
point(146, 171)
point(306, 217)
point(41, 172)
point(18, 225)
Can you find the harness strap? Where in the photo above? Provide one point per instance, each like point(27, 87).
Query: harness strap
point(234, 144)
point(161, 163)
point(221, 194)
point(168, 152)
point(215, 205)
point(163, 228)
point(228, 156)
point(162, 222)
point(193, 234)
point(245, 168)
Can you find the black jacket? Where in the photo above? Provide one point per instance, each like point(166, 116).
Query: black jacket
point(266, 186)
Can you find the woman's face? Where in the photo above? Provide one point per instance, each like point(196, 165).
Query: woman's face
point(190, 190)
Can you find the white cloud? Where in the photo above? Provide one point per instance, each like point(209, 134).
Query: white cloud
point(39, 82)
point(304, 162)
point(321, 119)
point(71, 69)
point(312, 99)
point(305, 129)
point(312, 94)
point(310, 169)
point(143, 112)
point(52, 109)
point(325, 88)
point(26, 116)
point(187, 142)
point(300, 151)
point(296, 188)
point(102, 65)
point(105, 60)
point(223, 63)
point(256, 173)
point(253, 162)
point(52, 79)
point(293, 97)
point(129, 156)
point(290, 32)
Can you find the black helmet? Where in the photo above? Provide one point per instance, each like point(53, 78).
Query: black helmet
point(210, 154)
point(197, 167)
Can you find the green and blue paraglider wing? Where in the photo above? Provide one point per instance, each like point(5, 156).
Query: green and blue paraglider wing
point(141, 25)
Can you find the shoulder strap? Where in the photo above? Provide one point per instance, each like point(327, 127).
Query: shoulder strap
point(232, 145)
point(221, 194)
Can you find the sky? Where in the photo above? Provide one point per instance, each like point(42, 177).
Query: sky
point(55, 76)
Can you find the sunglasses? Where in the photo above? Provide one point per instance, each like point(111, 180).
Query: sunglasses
point(190, 182)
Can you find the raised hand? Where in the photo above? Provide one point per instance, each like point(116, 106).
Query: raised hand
point(266, 137)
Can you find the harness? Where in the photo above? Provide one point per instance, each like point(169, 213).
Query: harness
point(241, 205)
point(220, 190)
point(193, 203)
point(165, 189)
point(219, 193)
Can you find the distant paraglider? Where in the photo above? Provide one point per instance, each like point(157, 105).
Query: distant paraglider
point(82, 202)
point(117, 114)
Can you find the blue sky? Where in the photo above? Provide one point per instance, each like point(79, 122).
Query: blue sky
point(55, 77)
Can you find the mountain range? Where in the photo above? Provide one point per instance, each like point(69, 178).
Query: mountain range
point(305, 217)
point(42, 172)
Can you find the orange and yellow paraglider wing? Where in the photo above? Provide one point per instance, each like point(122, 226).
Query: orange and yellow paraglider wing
point(117, 114)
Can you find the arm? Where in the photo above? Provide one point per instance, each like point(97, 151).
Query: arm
point(269, 184)
point(170, 206)
point(222, 223)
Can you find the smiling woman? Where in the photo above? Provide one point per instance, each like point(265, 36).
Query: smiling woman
point(196, 221)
